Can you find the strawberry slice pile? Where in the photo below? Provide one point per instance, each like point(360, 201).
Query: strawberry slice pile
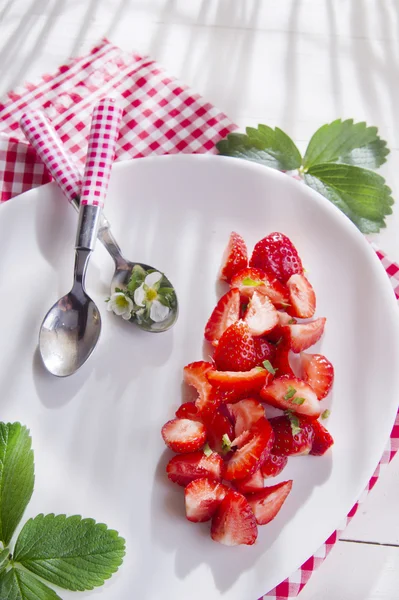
point(224, 443)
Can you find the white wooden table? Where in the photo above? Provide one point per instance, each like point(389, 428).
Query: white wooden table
point(293, 63)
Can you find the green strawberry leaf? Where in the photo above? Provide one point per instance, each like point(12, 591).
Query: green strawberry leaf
point(4, 559)
point(361, 194)
point(346, 142)
point(71, 552)
point(270, 147)
point(20, 585)
point(137, 278)
point(17, 476)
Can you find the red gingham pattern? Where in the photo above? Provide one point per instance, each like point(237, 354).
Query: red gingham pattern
point(161, 116)
point(44, 139)
point(104, 131)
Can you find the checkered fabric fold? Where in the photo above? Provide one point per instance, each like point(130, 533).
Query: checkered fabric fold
point(160, 116)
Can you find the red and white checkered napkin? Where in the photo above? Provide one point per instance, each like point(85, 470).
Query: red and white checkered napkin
point(161, 116)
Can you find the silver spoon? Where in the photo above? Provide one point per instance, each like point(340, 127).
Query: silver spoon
point(71, 328)
point(44, 139)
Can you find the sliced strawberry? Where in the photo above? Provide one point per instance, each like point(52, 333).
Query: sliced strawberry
point(277, 256)
point(226, 312)
point(277, 334)
point(236, 349)
point(281, 362)
point(195, 374)
point(250, 280)
point(234, 522)
point(292, 435)
point(264, 350)
point(250, 484)
point(249, 457)
point(273, 465)
point(302, 297)
point(202, 497)
point(245, 413)
point(323, 440)
point(318, 372)
point(188, 410)
point(261, 316)
point(235, 257)
point(238, 384)
point(184, 435)
point(217, 426)
point(303, 335)
point(267, 502)
point(291, 393)
point(184, 468)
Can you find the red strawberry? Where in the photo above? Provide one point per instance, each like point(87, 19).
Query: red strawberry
point(216, 427)
point(250, 456)
point(234, 522)
point(264, 350)
point(318, 373)
point(281, 362)
point(235, 257)
point(236, 349)
point(322, 439)
point(292, 435)
point(278, 332)
point(273, 465)
point(183, 468)
point(303, 335)
point(250, 484)
point(202, 497)
point(250, 280)
point(302, 297)
point(261, 316)
point(184, 435)
point(226, 312)
point(188, 410)
point(245, 413)
point(267, 502)
point(291, 393)
point(195, 374)
point(276, 255)
point(239, 384)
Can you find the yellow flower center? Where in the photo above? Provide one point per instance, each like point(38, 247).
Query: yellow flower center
point(151, 294)
point(121, 302)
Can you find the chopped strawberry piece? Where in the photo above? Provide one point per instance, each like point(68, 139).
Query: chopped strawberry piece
point(318, 372)
point(188, 410)
point(238, 384)
point(250, 484)
point(249, 457)
point(277, 334)
point(184, 468)
point(267, 502)
point(302, 297)
point(234, 522)
point(291, 393)
point(217, 426)
point(323, 440)
point(235, 257)
point(292, 435)
point(281, 362)
point(202, 497)
point(264, 350)
point(277, 256)
point(245, 413)
point(261, 316)
point(303, 335)
point(226, 312)
point(195, 374)
point(184, 435)
point(250, 280)
point(236, 349)
point(273, 465)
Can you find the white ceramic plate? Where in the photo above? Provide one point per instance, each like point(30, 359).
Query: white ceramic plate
point(96, 435)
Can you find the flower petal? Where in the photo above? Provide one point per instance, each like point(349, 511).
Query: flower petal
point(153, 278)
point(139, 295)
point(158, 312)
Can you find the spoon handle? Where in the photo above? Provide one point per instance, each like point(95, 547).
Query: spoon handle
point(103, 135)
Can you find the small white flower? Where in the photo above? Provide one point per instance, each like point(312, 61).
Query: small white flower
point(141, 293)
point(158, 311)
point(121, 305)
